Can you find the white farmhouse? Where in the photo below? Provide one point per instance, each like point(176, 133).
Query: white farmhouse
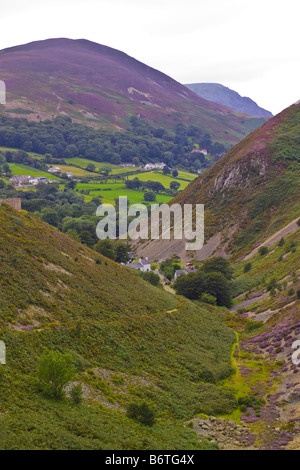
point(141, 265)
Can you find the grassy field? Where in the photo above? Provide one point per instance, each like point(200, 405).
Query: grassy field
point(116, 169)
point(133, 196)
point(159, 177)
point(83, 162)
point(76, 171)
point(186, 176)
point(19, 169)
point(31, 154)
point(100, 186)
point(108, 191)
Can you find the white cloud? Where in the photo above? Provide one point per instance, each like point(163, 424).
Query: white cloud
point(251, 45)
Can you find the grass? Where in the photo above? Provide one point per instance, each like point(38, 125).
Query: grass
point(31, 154)
point(112, 191)
point(279, 262)
point(19, 169)
point(156, 176)
point(271, 196)
point(100, 166)
point(55, 297)
point(134, 196)
point(186, 176)
point(83, 162)
point(76, 171)
point(99, 186)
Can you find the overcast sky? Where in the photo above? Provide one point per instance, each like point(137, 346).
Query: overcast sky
point(249, 46)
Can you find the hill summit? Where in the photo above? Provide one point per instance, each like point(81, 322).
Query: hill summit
point(223, 95)
point(103, 87)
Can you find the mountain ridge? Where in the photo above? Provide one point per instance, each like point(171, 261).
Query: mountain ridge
point(103, 87)
point(226, 96)
point(252, 191)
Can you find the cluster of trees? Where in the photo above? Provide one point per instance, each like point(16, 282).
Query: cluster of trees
point(169, 266)
point(65, 210)
point(115, 250)
point(60, 138)
point(154, 186)
point(210, 283)
point(136, 183)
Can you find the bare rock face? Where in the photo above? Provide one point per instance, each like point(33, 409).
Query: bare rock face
point(226, 433)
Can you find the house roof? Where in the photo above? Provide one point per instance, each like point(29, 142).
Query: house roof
point(139, 264)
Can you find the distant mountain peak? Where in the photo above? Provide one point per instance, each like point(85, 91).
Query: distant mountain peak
point(223, 95)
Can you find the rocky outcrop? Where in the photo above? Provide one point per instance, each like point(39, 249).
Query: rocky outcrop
point(226, 433)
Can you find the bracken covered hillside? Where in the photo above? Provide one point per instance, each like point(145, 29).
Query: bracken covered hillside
point(130, 341)
point(250, 193)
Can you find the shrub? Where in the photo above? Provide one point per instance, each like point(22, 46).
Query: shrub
point(150, 196)
point(55, 371)
point(218, 285)
point(272, 284)
point(151, 277)
point(76, 394)
point(291, 291)
point(263, 250)
point(206, 375)
point(298, 294)
point(142, 413)
point(208, 299)
point(247, 267)
point(253, 326)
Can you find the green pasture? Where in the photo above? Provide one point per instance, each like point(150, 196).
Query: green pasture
point(18, 169)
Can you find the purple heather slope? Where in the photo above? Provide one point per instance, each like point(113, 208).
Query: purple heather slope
point(89, 81)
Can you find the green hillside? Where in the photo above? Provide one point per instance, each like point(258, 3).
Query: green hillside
point(130, 341)
point(254, 190)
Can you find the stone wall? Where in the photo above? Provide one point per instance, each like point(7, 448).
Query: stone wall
point(13, 202)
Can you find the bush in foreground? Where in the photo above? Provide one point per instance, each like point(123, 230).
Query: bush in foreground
point(55, 371)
